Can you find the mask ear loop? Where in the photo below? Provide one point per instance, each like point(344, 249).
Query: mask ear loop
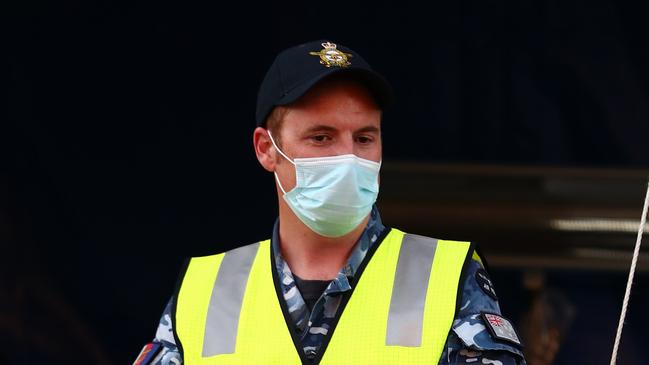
point(283, 155)
point(278, 150)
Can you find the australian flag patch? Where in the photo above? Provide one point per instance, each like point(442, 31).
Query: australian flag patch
point(500, 328)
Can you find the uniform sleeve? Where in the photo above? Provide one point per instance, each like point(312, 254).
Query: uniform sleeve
point(163, 349)
point(480, 335)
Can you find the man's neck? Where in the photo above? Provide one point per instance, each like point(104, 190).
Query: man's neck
point(310, 255)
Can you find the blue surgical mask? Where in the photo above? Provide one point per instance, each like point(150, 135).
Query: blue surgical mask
point(332, 195)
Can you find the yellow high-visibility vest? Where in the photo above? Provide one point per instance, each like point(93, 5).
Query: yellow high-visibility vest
point(229, 309)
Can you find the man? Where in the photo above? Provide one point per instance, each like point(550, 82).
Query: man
point(333, 284)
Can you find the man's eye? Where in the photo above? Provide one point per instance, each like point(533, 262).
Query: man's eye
point(364, 139)
point(320, 138)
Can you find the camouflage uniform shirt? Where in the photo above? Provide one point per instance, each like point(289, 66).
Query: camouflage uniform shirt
point(469, 342)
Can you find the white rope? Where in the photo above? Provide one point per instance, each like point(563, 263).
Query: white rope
point(625, 302)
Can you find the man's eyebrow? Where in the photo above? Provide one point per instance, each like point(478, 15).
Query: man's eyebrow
point(368, 129)
point(327, 128)
point(320, 128)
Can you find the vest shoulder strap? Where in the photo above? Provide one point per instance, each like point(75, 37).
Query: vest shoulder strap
point(219, 330)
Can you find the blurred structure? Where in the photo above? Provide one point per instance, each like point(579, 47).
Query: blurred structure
point(523, 217)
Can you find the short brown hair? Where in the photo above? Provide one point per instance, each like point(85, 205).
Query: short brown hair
point(274, 122)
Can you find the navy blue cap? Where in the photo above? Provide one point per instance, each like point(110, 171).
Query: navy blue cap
point(297, 69)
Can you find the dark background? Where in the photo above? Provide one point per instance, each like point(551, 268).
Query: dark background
point(127, 141)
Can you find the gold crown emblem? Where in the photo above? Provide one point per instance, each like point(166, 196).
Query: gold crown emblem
point(331, 56)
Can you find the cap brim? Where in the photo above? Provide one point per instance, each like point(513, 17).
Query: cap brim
point(375, 83)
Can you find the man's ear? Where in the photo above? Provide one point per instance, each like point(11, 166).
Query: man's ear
point(264, 149)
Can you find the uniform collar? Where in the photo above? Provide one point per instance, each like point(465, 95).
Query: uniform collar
point(297, 308)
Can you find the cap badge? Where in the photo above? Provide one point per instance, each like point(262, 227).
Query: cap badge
point(330, 56)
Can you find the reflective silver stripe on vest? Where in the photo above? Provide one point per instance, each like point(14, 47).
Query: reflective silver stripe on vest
point(406, 315)
point(226, 300)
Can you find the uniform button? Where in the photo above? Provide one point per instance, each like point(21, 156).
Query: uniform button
point(311, 354)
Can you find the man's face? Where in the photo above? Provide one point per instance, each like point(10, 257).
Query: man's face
point(334, 118)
